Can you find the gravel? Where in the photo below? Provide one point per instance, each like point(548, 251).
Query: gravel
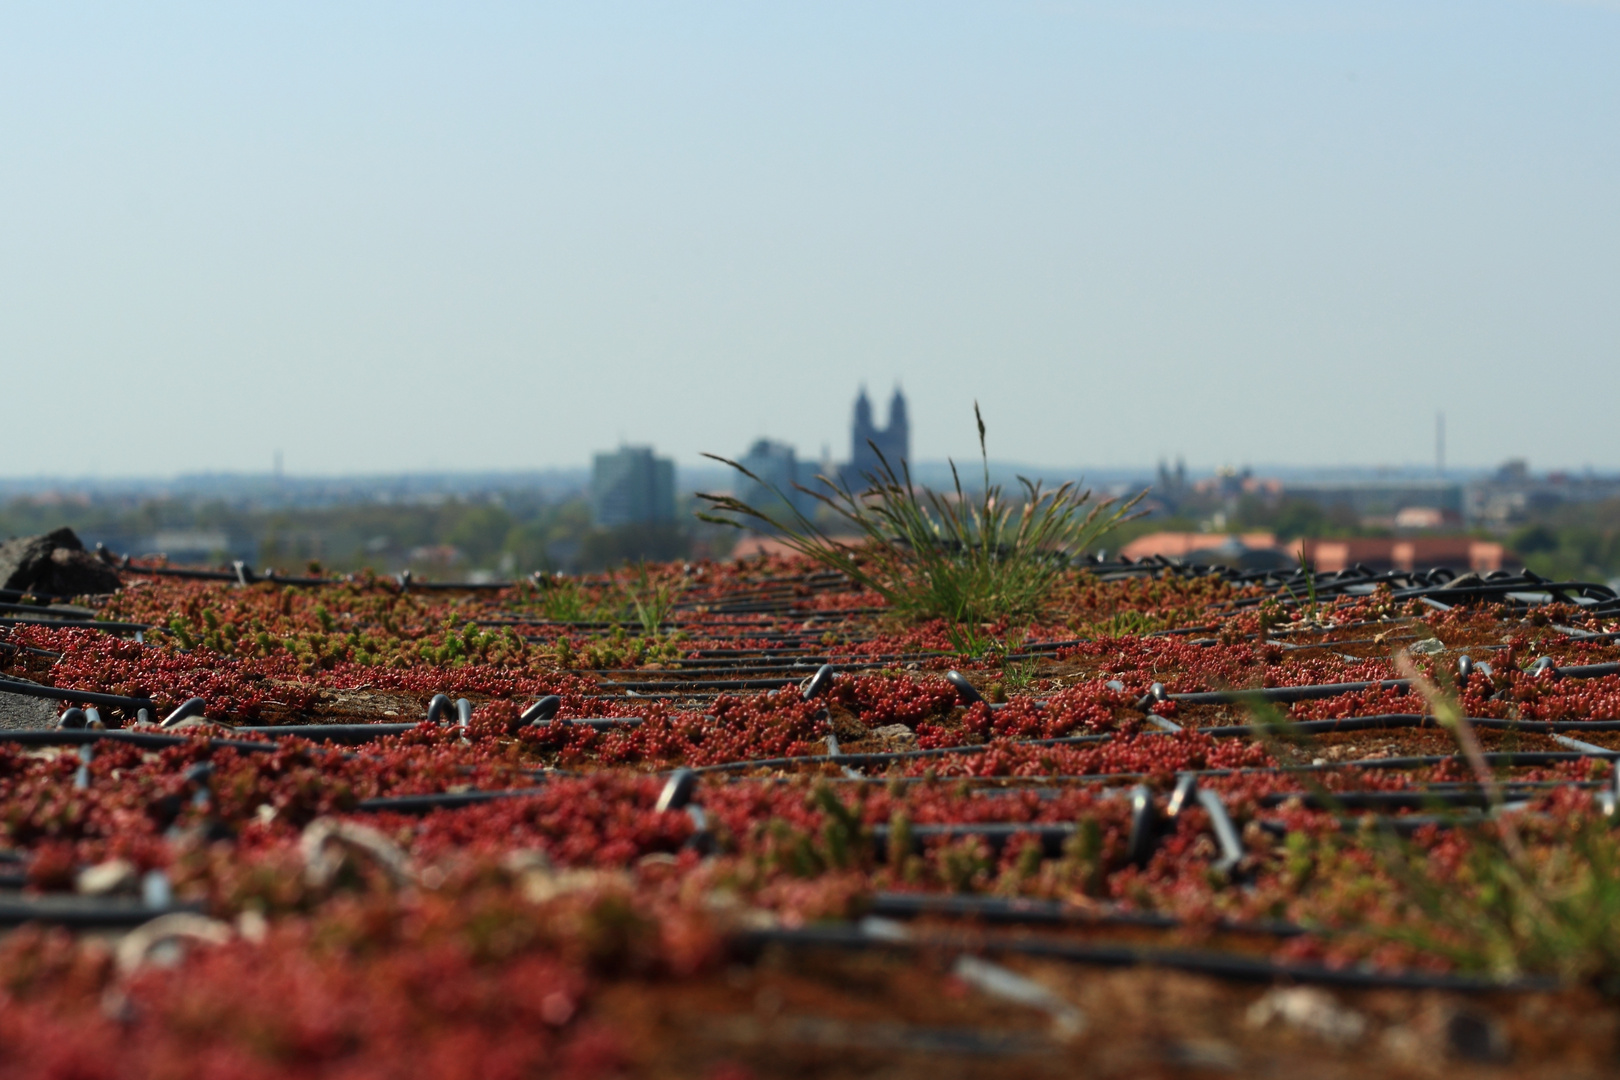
point(19, 713)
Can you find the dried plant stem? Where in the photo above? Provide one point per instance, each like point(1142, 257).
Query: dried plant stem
point(1448, 710)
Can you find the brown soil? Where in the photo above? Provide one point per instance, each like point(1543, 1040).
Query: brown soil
point(832, 1014)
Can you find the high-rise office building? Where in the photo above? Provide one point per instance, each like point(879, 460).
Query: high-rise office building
point(630, 487)
point(777, 465)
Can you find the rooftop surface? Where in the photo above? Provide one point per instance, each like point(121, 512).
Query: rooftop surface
point(726, 820)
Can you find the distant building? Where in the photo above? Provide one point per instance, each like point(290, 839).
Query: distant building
point(631, 487)
point(1416, 553)
point(777, 465)
point(867, 440)
point(1513, 493)
point(1243, 551)
point(1425, 517)
point(183, 546)
point(1172, 486)
point(1262, 551)
point(1381, 499)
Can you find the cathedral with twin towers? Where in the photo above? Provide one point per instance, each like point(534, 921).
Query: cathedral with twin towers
point(780, 471)
point(892, 441)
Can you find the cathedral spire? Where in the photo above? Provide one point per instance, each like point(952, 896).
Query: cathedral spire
point(863, 410)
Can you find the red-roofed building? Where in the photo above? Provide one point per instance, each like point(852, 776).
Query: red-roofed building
point(1413, 553)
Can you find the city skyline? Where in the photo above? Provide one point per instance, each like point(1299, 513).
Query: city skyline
point(578, 473)
point(633, 486)
point(869, 445)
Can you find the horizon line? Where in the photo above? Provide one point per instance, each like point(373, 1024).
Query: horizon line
point(1259, 471)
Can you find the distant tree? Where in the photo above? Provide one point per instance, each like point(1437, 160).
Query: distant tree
point(480, 533)
point(1534, 539)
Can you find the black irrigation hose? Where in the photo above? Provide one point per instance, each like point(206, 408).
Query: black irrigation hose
point(551, 623)
point(357, 734)
point(1400, 825)
point(1284, 631)
point(1051, 834)
point(1508, 758)
point(76, 624)
point(1326, 690)
point(423, 804)
point(760, 650)
point(1396, 721)
point(1347, 642)
point(1386, 721)
point(679, 685)
point(151, 740)
point(1286, 694)
point(54, 609)
point(248, 576)
point(851, 936)
point(1524, 758)
point(51, 653)
point(1575, 633)
point(600, 723)
point(1026, 911)
point(779, 660)
point(809, 661)
point(348, 734)
point(857, 760)
point(19, 594)
point(1587, 671)
point(1417, 799)
point(183, 572)
point(766, 629)
point(1474, 590)
point(464, 586)
point(89, 697)
point(1115, 784)
point(638, 695)
point(1437, 584)
point(85, 912)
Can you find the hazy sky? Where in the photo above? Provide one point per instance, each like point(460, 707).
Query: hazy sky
point(399, 236)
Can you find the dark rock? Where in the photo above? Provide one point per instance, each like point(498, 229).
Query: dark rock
point(54, 564)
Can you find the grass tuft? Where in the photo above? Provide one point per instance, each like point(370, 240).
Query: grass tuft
point(1510, 905)
point(944, 555)
point(651, 596)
